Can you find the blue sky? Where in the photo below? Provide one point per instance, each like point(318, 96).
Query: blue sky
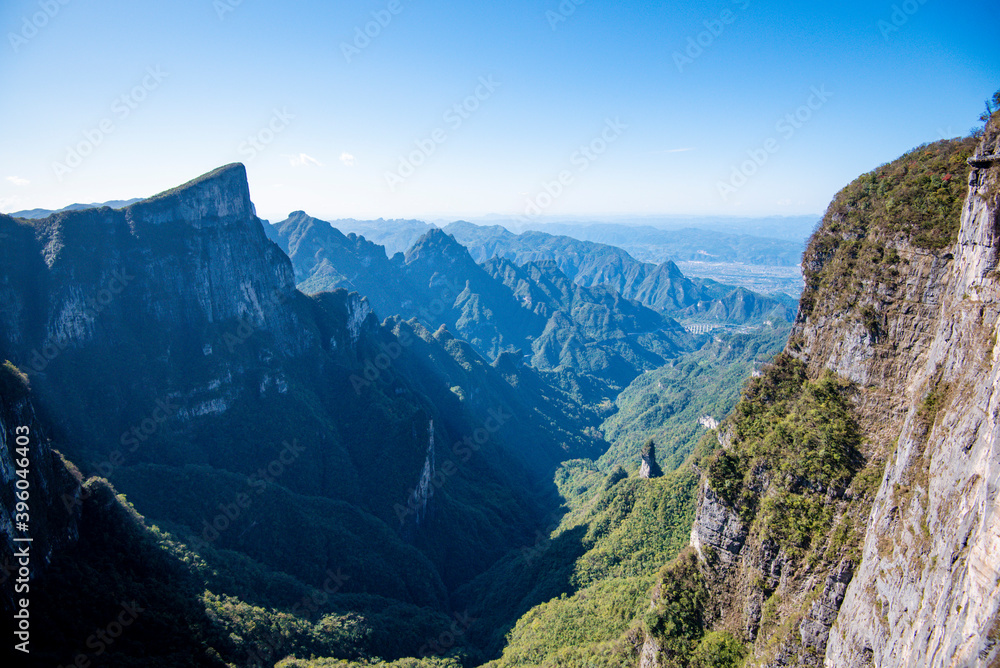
point(121, 99)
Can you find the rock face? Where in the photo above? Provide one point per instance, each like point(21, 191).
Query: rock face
point(717, 527)
point(926, 592)
point(53, 489)
point(906, 306)
point(649, 468)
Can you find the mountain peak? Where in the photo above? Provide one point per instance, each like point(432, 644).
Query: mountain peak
point(437, 243)
point(220, 195)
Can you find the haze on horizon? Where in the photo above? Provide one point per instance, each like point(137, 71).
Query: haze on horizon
point(446, 110)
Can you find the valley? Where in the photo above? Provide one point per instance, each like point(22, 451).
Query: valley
point(293, 445)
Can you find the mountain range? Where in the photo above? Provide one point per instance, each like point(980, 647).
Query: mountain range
point(279, 445)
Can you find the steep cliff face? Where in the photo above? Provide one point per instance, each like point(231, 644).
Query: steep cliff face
point(49, 488)
point(856, 487)
point(171, 353)
point(927, 591)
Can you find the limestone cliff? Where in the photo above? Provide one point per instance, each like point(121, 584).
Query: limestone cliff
point(927, 591)
point(875, 542)
point(51, 491)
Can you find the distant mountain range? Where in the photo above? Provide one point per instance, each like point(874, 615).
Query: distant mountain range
point(37, 214)
point(532, 309)
point(787, 228)
point(662, 287)
point(687, 244)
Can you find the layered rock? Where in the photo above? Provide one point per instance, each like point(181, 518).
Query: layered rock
point(906, 319)
point(926, 592)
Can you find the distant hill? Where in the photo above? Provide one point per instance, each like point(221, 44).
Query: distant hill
point(787, 228)
point(531, 311)
point(37, 214)
point(688, 244)
point(397, 235)
point(662, 287)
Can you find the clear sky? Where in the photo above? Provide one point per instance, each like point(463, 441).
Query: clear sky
point(117, 99)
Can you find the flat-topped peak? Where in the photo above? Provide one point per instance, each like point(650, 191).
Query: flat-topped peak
point(222, 193)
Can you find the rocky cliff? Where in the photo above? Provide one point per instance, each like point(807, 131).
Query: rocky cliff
point(33, 474)
point(849, 517)
point(927, 590)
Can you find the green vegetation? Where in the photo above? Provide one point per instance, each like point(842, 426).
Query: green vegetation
point(666, 404)
point(430, 662)
point(801, 435)
point(211, 607)
point(606, 547)
point(932, 403)
point(593, 616)
point(679, 618)
point(913, 201)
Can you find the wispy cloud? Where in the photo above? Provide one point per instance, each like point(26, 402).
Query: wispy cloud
point(18, 181)
point(673, 150)
point(347, 159)
point(303, 160)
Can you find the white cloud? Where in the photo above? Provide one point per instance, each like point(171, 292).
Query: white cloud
point(18, 181)
point(303, 160)
point(347, 159)
point(784, 202)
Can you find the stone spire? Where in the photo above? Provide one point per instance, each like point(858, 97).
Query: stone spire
point(649, 468)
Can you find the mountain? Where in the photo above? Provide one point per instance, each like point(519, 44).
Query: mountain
point(842, 511)
point(533, 310)
point(241, 473)
point(396, 235)
point(796, 229)
point(662, 287)
point(271, 436)
point(846, 519)
point(688, 244)
point(35, 214)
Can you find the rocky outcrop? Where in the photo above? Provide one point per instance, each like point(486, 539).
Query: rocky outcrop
point(926, 592)
point(717, 532)
point(50, 490)
point(648, 468)
point(906, 307)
